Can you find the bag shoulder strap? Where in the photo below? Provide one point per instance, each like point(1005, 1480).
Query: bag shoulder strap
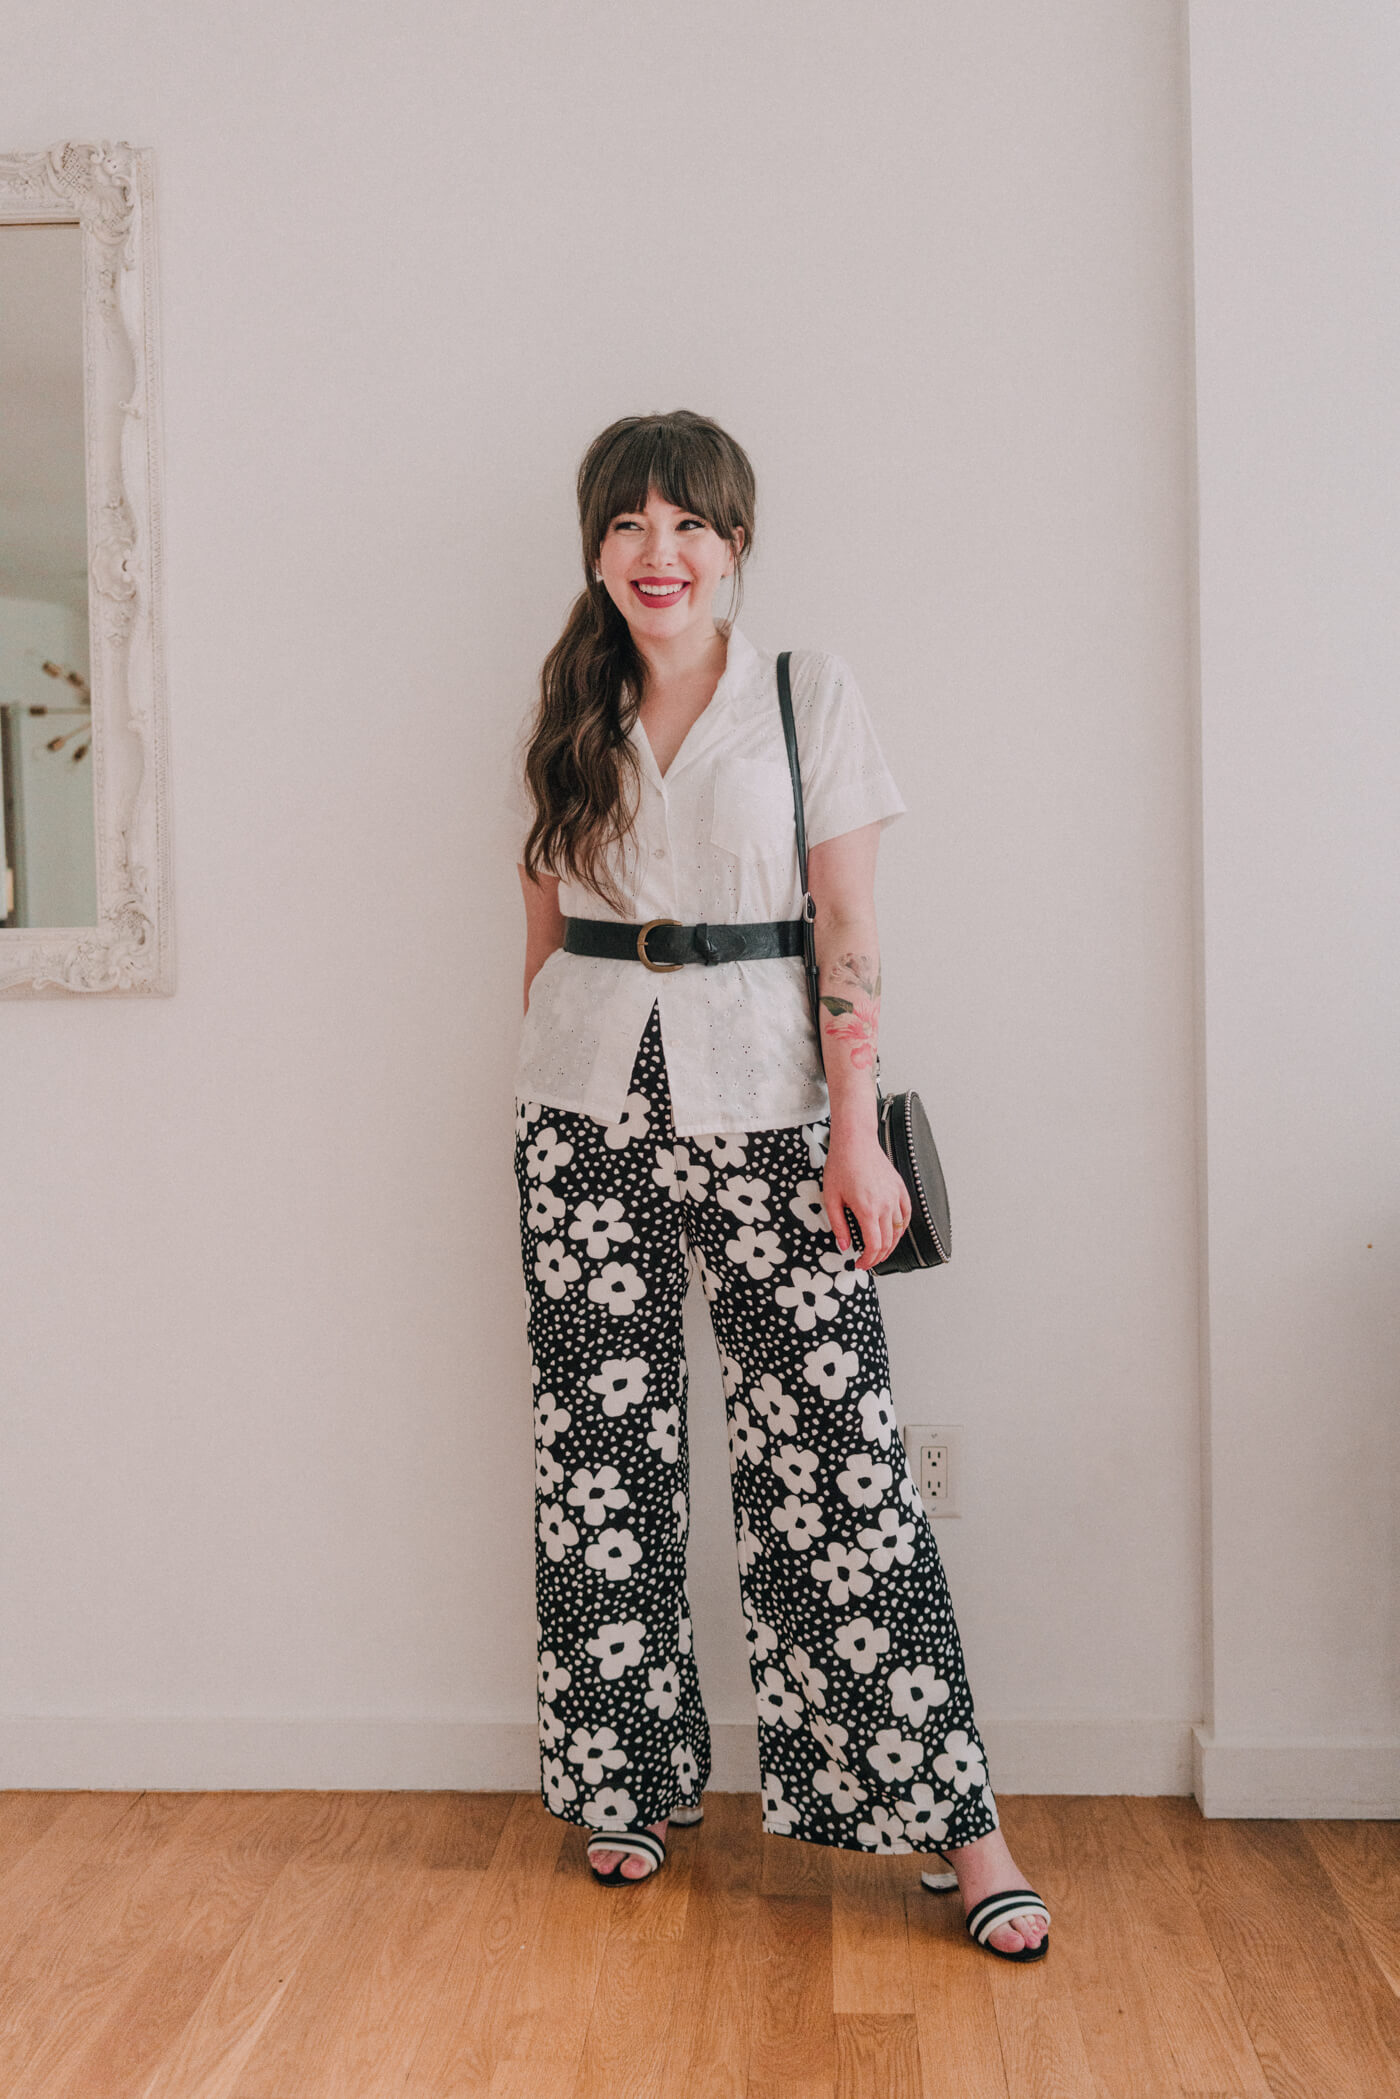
point(809, 909)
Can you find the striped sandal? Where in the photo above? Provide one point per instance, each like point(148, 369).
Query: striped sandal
point(994, 1910)
point(640, 1843)
point(632, 1843)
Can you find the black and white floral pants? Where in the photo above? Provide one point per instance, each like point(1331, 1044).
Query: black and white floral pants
point(866, 1732)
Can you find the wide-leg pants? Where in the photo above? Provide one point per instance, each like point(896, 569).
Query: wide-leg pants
point(866, 1733)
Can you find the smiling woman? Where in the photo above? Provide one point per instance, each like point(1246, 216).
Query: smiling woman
point(673, 1115)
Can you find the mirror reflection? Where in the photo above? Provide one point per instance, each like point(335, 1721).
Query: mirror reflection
point(47, 834)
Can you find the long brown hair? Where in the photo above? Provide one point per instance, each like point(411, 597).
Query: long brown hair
point(580, 769)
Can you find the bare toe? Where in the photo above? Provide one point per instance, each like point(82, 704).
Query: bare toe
point(1013, 1937)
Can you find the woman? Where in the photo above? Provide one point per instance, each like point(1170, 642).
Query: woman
point(672, 1113)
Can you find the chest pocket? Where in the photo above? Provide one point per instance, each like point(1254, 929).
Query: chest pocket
point(753, 810)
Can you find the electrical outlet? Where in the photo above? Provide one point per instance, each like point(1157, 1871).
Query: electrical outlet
point(935, 1459)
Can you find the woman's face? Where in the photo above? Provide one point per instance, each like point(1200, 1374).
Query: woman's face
point(661, 567)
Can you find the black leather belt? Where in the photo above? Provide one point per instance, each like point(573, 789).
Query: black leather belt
point(664, 943)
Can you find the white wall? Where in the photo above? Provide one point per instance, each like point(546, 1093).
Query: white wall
point(1297, 229)
point(266, 1504)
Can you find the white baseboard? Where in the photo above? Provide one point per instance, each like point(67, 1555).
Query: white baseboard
point(1297, 1781)
point(1027, 1753)
point(54, 1753)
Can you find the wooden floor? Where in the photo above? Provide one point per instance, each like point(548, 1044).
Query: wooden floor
point(430, 1945)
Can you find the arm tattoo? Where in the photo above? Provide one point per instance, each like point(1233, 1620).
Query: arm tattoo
point(855, 1020)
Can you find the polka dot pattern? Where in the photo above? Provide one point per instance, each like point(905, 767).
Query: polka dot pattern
point(866, 1731)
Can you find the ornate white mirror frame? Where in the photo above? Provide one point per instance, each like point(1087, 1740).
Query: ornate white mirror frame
point(106, 191)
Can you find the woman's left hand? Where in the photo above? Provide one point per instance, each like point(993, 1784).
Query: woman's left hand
point(859, 1178)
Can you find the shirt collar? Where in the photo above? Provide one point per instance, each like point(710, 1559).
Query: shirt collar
point(742, 665)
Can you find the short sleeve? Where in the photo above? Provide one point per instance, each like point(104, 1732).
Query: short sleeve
point(845, 780)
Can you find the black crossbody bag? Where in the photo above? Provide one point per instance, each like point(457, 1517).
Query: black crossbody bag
point(905, 1136)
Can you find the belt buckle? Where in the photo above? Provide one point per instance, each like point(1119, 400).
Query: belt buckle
point(643, 957)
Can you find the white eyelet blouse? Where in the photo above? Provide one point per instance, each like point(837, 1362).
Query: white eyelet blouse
point(715, 844)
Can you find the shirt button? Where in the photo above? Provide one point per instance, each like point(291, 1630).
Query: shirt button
point(659, 852)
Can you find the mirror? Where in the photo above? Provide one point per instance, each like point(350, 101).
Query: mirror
point(48, 850)
point(84, 817)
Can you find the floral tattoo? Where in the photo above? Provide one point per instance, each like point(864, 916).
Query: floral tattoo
point(855, 1020)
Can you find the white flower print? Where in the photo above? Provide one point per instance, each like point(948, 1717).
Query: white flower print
point(636, 1117)
point(595, 1493)
point(832, 1736)
point(621, 1382)
point(550, 1417)
point(801, 1522)
point(861, 1643)
point(614, 1553)
point(773, 1404)
point(746, 1438)
point(665, 1435)
point(710, 1282)
point(818, 1136)
point(612, 1808)
point(761, 1638)
point(665, 1693)
point(843, 1789)
point(808, 1297)
point(841, 1267)
point(925, 1815)
point(731, 1372)
point(915, 1692)
point(865, 1480)
point(748, 1545)
point(746, 1199)
point(726, 1147)
point(844, 1569)
point(990, 1805)
point(526, 1112)
point(759, 1252)
point(595, 1751)
point(619, 1287)
point(598, 1224)
point(555, 1267)
point(548, 1474)
point(877, 1417)
point(777, 1705)
point(545, 1208)
point(779, 1815)
point(557, 1534)
point(683, 1629)
point(908, 1492)
point(960, 1764)
point(804, 1671)
point(797, 1467)
point(894, 1756)
point(681, 1511)
point(559, 1788)
point(551, 1676)
point(546, 1155)
point(618, 1647)
point(685, 1766)
point(679, 1174)
point(551, 1726)
point(884, 1833)
point(889, 1541)
point(808, 1208)
point(830, 1368)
